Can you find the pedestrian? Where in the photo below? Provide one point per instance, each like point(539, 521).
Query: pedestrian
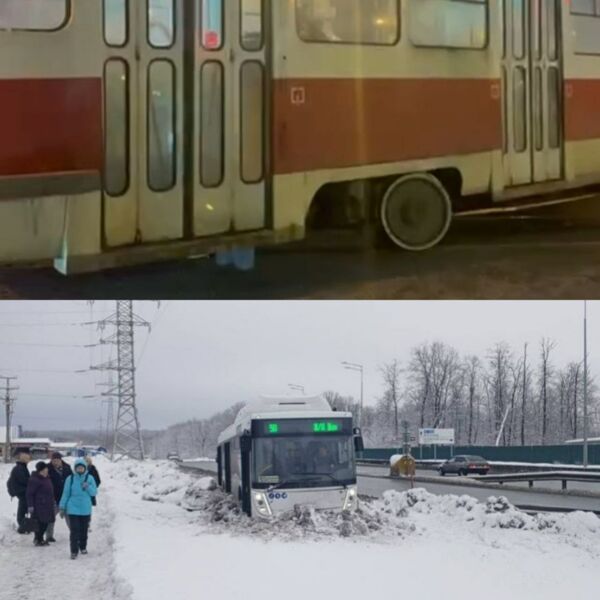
point(41, 505)
point(17, 485)
point(58, 470)
point(92, 470)
point(76, 504)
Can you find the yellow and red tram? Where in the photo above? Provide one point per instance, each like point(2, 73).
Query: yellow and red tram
point(137, 129)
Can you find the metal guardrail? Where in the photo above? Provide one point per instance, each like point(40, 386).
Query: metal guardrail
point(562, 476)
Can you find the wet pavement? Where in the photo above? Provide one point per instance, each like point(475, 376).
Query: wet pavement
point(551, 253)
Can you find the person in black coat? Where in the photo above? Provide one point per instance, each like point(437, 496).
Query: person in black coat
point(92, 470)
point(58, 471)
point(17, 484)
point(40, 501)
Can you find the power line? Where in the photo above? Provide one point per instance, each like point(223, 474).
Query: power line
point(43, 345)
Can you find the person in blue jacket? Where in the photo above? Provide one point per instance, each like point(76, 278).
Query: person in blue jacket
point(76, 503)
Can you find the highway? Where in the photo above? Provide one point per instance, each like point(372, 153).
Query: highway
point(374, 480)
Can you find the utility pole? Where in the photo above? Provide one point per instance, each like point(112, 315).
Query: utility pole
point(8, 408)
point(127, 438)
point(585, 388)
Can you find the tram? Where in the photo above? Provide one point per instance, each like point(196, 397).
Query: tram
point(135, 131)
point(285, 452)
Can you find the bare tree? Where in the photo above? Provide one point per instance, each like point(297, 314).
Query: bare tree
point(472, 368)
point(545, 377)
point(391, 373)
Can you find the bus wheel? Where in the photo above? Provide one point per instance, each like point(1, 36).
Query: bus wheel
point(416, 212)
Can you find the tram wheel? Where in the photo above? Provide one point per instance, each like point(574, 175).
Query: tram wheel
point(416, 212)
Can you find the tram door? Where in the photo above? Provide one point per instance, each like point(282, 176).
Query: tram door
point(230, 125)
point(532, 90)
point(143, 91)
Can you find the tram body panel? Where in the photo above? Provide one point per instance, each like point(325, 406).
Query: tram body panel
point(234, 120)
point(51, 149)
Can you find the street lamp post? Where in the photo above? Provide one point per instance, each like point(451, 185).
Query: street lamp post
point(585, 388)
point(360, 368)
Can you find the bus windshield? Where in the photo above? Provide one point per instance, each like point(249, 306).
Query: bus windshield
point(304, 461)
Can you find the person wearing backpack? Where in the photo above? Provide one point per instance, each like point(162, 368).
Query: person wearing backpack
point(76, 504)
point(17, 485)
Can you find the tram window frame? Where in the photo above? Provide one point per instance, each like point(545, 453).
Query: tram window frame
point(222, 28)
point(174, 121)
point(243, 139)
point(174, 27)
point(68, 11)
point(113, 193)
point(127, 25)
point(202, 165)
point(242, 31)
point(582, 16)
point(396, 41)
point(484, 47)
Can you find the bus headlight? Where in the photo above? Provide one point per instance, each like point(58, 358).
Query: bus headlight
point(350, 500)
point(262, 504)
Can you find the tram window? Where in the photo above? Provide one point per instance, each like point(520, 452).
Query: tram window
point(252, 110)
point(519, 110)
point(212, 24)
point(553, 108)
point(115, 22)
point(39, 15)
point(116, 158)
point(537, 108)
point(449, 23)
point(339, 21)
point(161, 23)
point(251, 24)
point(586, 26)
point(212, 124)
point(519, 29)
point(161, 125)
point(551, 28)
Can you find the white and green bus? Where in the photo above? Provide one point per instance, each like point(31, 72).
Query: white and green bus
point(283, 452)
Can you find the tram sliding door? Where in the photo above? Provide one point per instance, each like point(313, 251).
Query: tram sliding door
point(230, 125)
point(143, 90)
point(532, 91)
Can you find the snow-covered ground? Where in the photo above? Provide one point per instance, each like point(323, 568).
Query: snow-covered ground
point(145, 546)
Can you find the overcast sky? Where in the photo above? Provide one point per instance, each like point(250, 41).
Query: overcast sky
point(201, 357)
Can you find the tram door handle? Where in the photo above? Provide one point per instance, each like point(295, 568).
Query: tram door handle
point(231, 55)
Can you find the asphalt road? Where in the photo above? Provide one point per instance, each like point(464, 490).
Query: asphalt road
point(373, 481)
point(544, 493)
point(548, 253)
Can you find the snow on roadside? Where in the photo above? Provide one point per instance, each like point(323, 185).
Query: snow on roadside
point(395, 515)
point(30, 573)
point(452, 546)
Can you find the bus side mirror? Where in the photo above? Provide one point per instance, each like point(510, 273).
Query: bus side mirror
point(246, 443)
point(359, 446)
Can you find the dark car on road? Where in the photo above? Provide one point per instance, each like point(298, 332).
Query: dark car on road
point(465, 464)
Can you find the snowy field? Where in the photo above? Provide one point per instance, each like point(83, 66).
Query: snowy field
point(144, 545)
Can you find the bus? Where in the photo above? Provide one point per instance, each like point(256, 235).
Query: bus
point(161, 129)
point(286, 452)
